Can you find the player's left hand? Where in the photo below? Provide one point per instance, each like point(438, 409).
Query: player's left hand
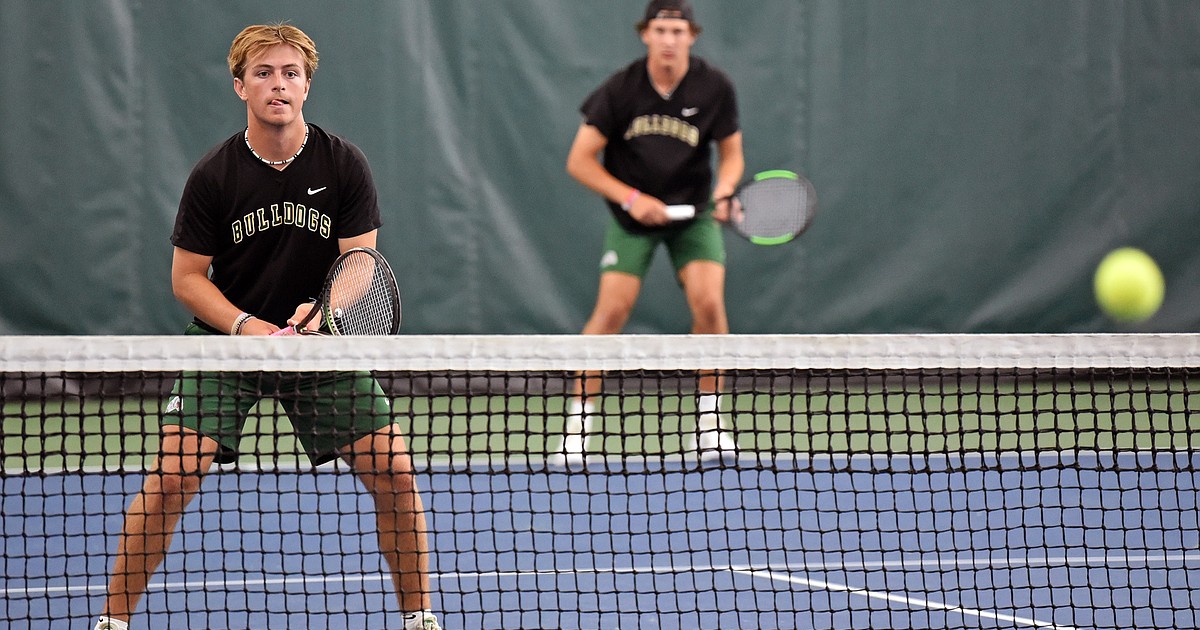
point(727, 209)
point(302, 312)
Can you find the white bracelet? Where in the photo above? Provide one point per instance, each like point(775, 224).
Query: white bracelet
point(239, 322)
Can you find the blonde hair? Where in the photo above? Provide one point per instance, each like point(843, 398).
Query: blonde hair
point(253, 40)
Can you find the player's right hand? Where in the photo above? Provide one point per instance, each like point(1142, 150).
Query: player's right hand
point(256, 326)
point(649, 210)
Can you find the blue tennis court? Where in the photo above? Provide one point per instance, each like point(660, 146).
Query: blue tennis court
point(1056, 540)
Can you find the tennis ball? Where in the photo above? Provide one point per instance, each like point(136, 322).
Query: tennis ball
point(1129, 285)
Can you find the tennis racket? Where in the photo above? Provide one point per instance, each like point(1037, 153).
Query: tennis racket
point(773, 208)
point(360, 297)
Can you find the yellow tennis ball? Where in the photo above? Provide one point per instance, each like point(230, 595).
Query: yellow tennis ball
point(1129, 285)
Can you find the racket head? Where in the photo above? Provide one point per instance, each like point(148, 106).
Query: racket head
point(775, 207)
point(360, 296)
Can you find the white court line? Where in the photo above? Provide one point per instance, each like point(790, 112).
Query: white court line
point(771, 569)
point(827, 462)
point(343, 579)
point(911, 602)
point(336, 579)
point(1113, 559)
point(202, 584)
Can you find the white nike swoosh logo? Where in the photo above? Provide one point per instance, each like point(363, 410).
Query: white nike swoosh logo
point(689, 111)
point(313, 191)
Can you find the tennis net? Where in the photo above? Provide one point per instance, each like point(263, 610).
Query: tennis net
point(861, 481)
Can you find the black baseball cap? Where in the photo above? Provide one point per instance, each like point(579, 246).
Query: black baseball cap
point(669, 9)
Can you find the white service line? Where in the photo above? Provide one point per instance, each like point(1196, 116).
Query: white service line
point(912, 602)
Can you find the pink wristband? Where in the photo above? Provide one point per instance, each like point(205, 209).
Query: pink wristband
point(633, 195)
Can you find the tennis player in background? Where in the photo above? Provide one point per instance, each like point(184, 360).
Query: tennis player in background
point(654, 123)
point(267, 211)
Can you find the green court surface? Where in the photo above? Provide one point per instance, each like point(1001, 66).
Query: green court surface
point(914, 417)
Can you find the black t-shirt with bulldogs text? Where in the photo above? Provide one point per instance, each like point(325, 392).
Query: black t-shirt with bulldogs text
point(662, 146)
point(274, 234)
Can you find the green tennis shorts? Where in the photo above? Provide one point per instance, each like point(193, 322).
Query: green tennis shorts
point(328, 410)
point(632, 253)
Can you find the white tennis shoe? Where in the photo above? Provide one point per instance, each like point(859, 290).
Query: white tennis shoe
point(111, 624)
point(576, 429)
point(572, 453)
point(713, 439)
point(424, 620)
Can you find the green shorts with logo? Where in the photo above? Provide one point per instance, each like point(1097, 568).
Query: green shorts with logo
point(632, 253)
point(329, 410)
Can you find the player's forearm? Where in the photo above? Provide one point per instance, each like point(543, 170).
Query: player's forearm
point(193, 288)
point(592, 174)
point(731, 165)
point(728, 175)
point(200, 296)
point(367, 239)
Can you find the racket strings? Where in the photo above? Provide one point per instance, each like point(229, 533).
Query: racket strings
point(361, 297)
point(776, 207)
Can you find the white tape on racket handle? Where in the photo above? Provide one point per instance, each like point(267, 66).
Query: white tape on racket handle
point(681, 212)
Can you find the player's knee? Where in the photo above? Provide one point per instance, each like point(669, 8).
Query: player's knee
point(708, 312)
point(393, 494)
point(607, 321)
point(397, 481)
point(171, 490)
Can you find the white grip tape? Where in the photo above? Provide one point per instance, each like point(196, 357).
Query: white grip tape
point(681, 212)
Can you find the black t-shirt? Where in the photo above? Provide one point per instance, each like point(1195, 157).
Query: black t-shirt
point(274, 234)
point(662, 146)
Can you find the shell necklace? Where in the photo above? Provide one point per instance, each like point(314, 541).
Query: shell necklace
point(264, 160)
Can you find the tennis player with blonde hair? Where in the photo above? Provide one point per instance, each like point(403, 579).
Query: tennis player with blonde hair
point(262, 217)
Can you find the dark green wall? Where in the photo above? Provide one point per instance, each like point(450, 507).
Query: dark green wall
point(974, 160)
